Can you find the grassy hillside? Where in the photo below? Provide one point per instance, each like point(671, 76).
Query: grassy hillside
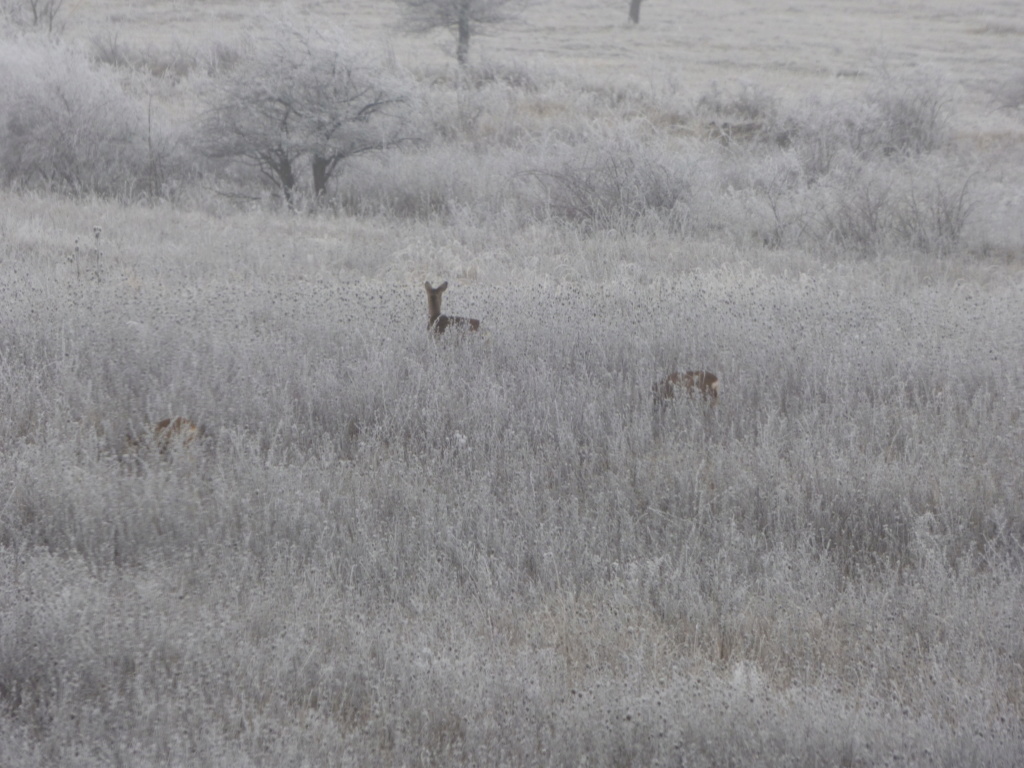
point(495, 549)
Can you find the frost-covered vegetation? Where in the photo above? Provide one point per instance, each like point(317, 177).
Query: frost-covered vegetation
point(494, 549)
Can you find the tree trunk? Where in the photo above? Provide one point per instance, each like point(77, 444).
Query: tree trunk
point(281, 166)
point(287, 177)
point(634, 11)
point(462, 49)
point(321, 175)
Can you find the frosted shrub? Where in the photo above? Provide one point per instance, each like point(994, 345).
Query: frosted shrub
point(839, 170)
point(923, 205)
point(428, 183)
point(608, 183)
point(938, 202)
point(826, 130)
point(857, 212)
point(67, 126)
point(749, 102)
point(895, 119)
point(746, 167)
point(518, 74)
point(596, 182)
point(913, 115)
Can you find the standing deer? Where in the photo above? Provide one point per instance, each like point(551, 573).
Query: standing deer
point(703, 381)
point(439, 323)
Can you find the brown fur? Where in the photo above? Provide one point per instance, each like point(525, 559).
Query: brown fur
point(702, 381)
point(168, 434)
point(178, 431)
point(439, 323)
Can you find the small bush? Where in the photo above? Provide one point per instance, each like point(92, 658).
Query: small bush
point(750, 103)
point(913, 116)
point(68, 127)
point(920, 206)
point(611, 182)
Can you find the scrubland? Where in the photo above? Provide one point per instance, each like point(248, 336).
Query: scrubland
point(493, 548)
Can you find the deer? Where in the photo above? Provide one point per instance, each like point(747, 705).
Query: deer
point(168, 435)
point(439, 323)
point(177, 432)
point(703, 381)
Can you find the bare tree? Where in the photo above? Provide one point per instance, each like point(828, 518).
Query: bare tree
point(303, 96)
point(634, 11)
point(461, 16)
point(35, 13)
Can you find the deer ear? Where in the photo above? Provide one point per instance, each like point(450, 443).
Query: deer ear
point(427, 286)
point(442, 286)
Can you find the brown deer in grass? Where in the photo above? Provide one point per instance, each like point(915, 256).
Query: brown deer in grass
point(439, 323)
point(702, 381)
point(178, 432)
point(168, 435)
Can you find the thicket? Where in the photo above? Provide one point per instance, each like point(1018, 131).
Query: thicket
point(308, 118)
point(68, 127)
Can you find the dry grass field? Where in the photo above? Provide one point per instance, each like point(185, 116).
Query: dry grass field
point(371, 545)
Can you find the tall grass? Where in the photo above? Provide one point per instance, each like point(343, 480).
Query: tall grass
point(399, 549)
point(495, 549)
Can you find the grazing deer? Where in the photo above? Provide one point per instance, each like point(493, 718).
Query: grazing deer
point(168, 435)
point(437, 322)
point(178, 432)
point(703, 381)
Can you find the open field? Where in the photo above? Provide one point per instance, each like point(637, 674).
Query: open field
point(776, 43)
point(495, 548)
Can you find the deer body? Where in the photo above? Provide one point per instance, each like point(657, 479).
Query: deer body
point(439, 323)
point(702, 381)
point(167, 435)
point(176, 432)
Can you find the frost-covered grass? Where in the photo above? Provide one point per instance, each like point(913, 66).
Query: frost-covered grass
point(393, 549)
point(493, 549)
